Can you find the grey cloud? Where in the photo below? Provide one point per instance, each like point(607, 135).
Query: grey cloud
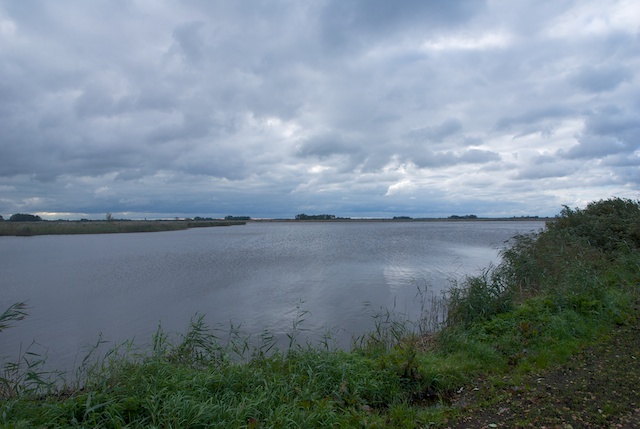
point(535, 116)
point(608, 130)
point(590, 146)
point(625, 168)
point(544, 167)
point(624, 160)
point(190, 41)
point(224, 103)
point(436, 133)
point(325, 145)
point(477, 156)
point(370, 161)
point(155, 96)
point(226, 164)
point(96, 101)
point(614, 121)
point(193, 125)
point(132, 174)
point(601, 78)
point(430, 159)
point(349, 24)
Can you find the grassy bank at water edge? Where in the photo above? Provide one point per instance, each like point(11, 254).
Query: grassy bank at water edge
point(26, 229)
point(556, 295)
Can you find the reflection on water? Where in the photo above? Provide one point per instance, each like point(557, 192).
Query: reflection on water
point(258, 276)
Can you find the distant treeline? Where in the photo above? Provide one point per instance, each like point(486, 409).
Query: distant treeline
point(25, 217)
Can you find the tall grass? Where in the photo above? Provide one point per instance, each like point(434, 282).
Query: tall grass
point(553, 292)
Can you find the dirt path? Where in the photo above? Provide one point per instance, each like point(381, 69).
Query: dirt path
point(597, 388)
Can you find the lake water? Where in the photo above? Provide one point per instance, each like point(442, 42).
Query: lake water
point(259, 276)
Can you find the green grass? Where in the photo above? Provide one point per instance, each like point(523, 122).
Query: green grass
point(554, 293)
point(26, 229)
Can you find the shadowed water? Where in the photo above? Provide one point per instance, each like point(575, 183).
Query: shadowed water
point(259, 276)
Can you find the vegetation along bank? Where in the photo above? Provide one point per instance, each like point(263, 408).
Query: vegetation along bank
point(43, 227)
point(546, 338)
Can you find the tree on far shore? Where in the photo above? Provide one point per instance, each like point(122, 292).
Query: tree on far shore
point(24, 217)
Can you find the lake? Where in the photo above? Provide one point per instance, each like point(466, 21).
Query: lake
point(259, 277)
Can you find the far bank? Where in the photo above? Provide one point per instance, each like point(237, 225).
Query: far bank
point(27, 229)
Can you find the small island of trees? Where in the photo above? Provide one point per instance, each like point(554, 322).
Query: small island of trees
point(24, 217)
point(303, 216)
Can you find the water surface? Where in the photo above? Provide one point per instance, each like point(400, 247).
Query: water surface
point(259, 276)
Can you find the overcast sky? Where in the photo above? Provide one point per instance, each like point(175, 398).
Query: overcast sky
point(361, 108)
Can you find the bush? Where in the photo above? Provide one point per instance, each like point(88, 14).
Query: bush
point(561, 262)
point(605, 224)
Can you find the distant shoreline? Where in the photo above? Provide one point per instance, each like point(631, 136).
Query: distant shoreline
point(74, 227)
point(338, 220)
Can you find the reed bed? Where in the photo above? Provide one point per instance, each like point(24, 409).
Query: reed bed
point(26, 229)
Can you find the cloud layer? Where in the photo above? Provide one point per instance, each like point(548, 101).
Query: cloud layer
point(361, 108)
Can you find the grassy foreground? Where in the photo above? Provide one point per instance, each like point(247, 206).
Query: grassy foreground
point(26, 229)
point(561, 300)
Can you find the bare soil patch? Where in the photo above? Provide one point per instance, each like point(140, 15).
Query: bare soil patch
point(597, 388)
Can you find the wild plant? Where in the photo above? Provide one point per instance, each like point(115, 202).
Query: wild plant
point(478, 298)
point(199, 346)
point(238, 345)
point(268, 342)
point(101, 368)
point(390, 327)
point(433, 310)
point(15, 312)
point(297, 329)
point(26, 375)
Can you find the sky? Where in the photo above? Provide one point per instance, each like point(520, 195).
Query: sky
point(357, 108)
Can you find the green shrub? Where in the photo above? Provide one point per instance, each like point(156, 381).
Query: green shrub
point(563, 260)
point(606, 224)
